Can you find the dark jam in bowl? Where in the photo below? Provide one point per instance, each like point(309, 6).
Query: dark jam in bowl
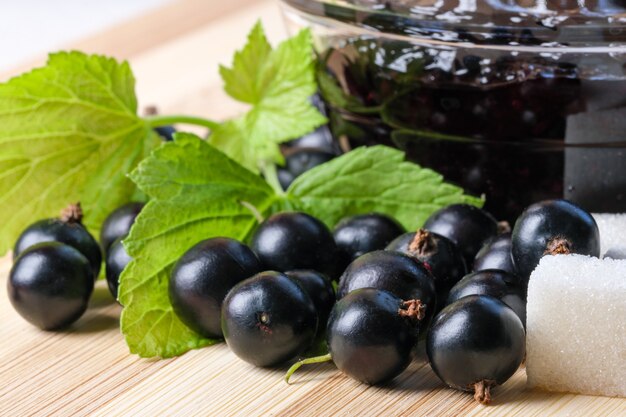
point(514, 103)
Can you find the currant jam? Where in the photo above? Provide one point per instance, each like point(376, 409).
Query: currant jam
point(508, 100)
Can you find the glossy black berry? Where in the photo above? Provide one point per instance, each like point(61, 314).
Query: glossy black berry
point(358, 235)
point(116, 260)
point(502, 285)
point(496, 254)
point(50, 285)
point(268, 319)
point(285, 178)
point(467, 226)
point(294, 240)
point(319, 288)
point(166, 132)
point(203, 276)
point(400, 274)
point(321, 139)
point(66, 229)
point(301, 160)
point(552, 226)
point(438, 254)
point(475, 344)
point(118, 223)
point(371, 335)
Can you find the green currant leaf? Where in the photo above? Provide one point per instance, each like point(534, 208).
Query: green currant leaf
point(69, 132)
point(374, 179)
point(277, 83)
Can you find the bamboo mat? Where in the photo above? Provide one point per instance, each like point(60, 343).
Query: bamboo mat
point(87, 370)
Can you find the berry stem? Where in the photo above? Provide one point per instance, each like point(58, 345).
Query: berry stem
point(414, 310)
point(159, 121)
point(72, 214)
point(504, 227)
point(255, 212)
point(423, 243)
point(482, 391)
point(307, 361)
point(270, 174)
point(558, 246)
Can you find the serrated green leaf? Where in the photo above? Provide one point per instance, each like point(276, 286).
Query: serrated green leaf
point(374, 179)
point(68, 132)
point(196, 192)
point(278, 84)
point(241, 81)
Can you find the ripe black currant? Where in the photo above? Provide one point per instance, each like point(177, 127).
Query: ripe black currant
point(116, 260)
point(319, 287)
point(203, 276)
point(294, 240)
point(66, 229)
point(360, 234)
point(496, 254)
point(467, 226)
point(475, 344)
point(371, 335)
point(50, 285)
point(268, 319)
point(118, 223)
point(551, 227)
point(502, 285)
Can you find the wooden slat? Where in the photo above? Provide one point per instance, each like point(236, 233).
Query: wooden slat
point(87, 369)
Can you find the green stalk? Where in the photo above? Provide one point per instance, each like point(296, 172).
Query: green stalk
point(307, 361)
point(268, 169)
point(158, 121)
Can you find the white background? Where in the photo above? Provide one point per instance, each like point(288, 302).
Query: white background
point(31, 27)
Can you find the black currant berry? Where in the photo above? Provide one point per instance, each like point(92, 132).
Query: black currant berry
point(268, 319)
point(319, 288)
point(285, 178)
point(116, 260)
point(496, 254)
point(321, 139)
point(293, 240)
point(502, 285)
point(475, 344)
point(401, 275)
point(118, 223)
point(371, 335)
point(203, 276)
point(552, 226)
point(438, 254)
point(358, 235)
point(66, 229)
point(301, 160)
point(467, 226)
point(50, 285)
point(166, 132)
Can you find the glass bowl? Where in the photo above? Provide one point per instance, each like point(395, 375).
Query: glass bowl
point(517, 100)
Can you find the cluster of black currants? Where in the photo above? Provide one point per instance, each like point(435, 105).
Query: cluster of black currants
point(56, 262)
point(270, 300)
point(418, 285)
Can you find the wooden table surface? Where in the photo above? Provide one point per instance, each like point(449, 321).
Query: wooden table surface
point(87, 370)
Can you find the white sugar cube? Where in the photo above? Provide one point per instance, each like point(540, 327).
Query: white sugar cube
point(612, 235)
point(576, 325)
